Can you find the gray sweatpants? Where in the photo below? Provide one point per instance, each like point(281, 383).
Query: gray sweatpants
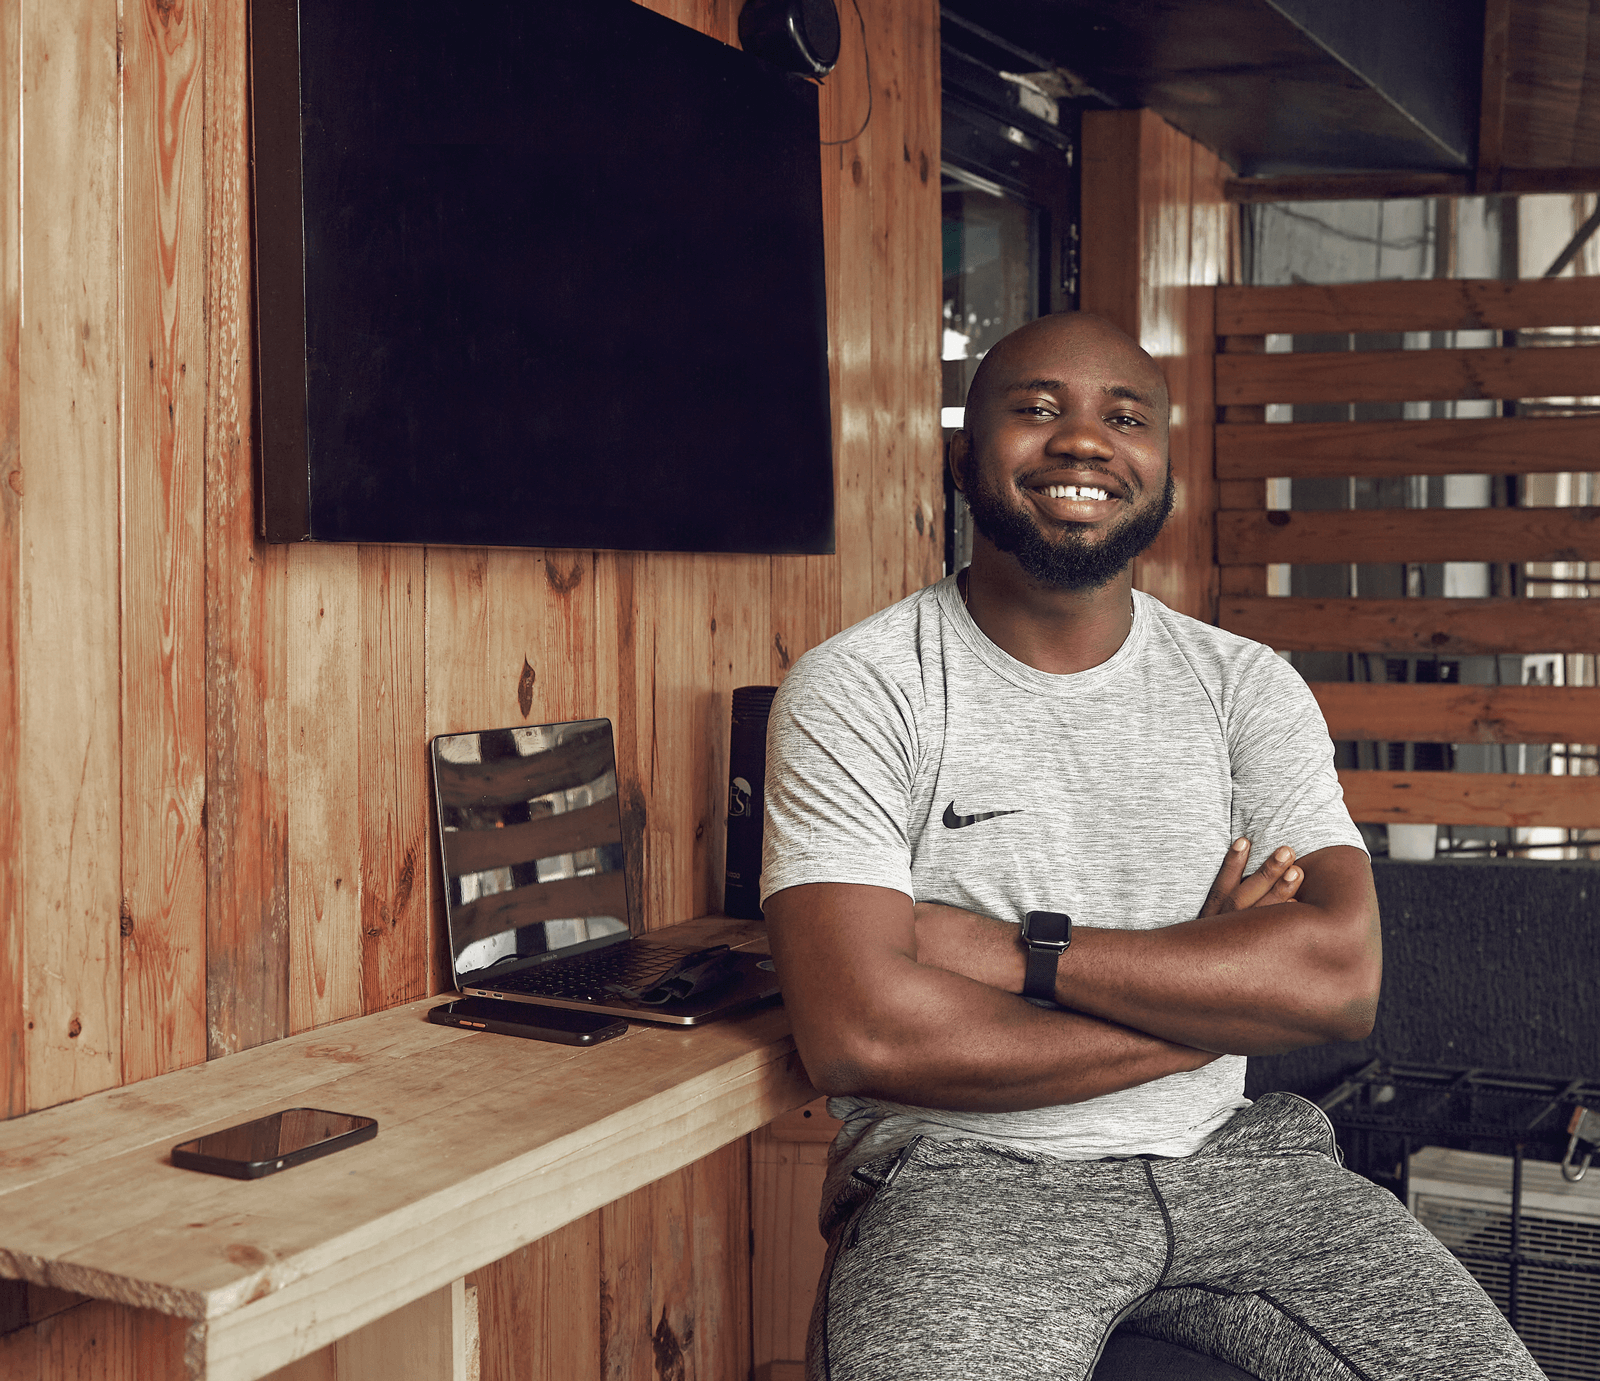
point(960, 1260)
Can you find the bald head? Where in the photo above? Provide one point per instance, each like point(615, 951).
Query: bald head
point(1024, 359)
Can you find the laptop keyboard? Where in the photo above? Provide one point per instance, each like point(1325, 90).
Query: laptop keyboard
point(587, 975)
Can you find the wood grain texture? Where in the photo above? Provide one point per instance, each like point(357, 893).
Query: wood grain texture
point(424, 1341)
point(398, 941)
point(888, 517)
point(1443, 446)
point(96, 1341)
point(1472, 798)
point(1549, 98)
point(67, 645)
point(851, 330)
point(1438, 627)
point(1430, 304)
point(163, 913)
point(440, 1192)
point(318, 675)
point(1388, 186)
point(719, 1241)
point(788, 1161)
point(540, 1308)
point(1459, 714)
point(246, 672)
point(739, 601)
point(13, 897)
point(1112, 222)
point(1346, 376)
point(805, 609)
point(324, 797)
point(1155, 240)
point(922, 332)
point(1492, 93)
point(1346, 187)
point(1374, 535)
point(1240, 582)
point(674, 1271)
point(429, 1340)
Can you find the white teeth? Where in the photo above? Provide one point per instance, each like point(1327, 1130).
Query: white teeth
point(1073, 491)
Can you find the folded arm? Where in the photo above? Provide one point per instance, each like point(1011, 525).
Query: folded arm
point(1255, 981)
point(870, 1018)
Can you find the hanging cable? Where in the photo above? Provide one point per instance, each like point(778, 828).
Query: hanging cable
point(867, 55)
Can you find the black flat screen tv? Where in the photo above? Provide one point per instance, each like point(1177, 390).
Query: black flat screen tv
point(542, 273)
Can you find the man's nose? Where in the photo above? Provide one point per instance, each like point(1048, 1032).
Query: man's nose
point(1080, 436)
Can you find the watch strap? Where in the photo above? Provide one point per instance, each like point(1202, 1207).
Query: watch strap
point(1039, 979)
point(1044, 951)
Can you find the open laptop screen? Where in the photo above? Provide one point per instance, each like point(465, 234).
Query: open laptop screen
point(531, 837)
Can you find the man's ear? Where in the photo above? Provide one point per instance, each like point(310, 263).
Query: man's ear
point(956, 456)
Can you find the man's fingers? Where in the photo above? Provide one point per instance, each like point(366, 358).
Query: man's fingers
point(1284, 888)
point(1258, 889)
point(1219, 899)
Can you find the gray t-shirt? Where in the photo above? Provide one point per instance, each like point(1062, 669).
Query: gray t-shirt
point(1114, 794)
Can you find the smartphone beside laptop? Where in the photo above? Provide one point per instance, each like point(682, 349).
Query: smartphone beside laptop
point(560, 1024)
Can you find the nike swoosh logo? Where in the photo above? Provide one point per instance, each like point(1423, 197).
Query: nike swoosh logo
point(952, 821)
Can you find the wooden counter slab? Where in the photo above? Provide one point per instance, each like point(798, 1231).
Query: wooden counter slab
point(485, 1143)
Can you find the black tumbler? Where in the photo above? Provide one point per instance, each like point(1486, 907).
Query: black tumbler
point(747, 771)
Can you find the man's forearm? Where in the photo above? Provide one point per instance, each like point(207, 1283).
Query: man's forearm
point(870, 1019)
point(944, 1041)
point(1267, 979)
point(1247, 983)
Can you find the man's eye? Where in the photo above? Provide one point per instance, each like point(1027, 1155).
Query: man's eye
point(1037, 410)
point(1126, 419)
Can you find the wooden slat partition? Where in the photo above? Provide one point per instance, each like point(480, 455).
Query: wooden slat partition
point(1459, 714)
point(1412, 627)
point(1445, 446)
point(1251, 539)
point(1399, 376)
point(1432, 304)
point(1416, 627)
point(1472, 798)
point(1408, 534)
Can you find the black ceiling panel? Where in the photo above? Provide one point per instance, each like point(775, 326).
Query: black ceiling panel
point(1274, 86)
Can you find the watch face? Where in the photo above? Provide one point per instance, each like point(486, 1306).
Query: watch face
point(1047, 927)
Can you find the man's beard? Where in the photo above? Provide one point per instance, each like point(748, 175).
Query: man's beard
point(1066, 562)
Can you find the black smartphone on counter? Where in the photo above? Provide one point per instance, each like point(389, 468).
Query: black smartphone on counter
point(565, 1025)
point(273, 1143)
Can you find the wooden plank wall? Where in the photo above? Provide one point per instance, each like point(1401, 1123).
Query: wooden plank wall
point(213, 800)
point(1249, 537)
point(1157, 235)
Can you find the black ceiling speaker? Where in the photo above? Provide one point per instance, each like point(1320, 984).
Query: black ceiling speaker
point(797, 35)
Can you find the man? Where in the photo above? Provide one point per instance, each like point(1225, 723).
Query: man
point(1015, 1177)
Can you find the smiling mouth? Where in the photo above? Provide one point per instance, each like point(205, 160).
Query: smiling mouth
point(1073, 491)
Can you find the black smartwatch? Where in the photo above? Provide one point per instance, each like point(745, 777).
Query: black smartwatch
point(1045, 935)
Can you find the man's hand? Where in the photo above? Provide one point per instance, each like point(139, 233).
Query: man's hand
point(990, 951)
point(1275, 881)
point(1251, 975)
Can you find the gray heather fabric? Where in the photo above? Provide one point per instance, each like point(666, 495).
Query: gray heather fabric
point(1124, 786)
point(992, 1264)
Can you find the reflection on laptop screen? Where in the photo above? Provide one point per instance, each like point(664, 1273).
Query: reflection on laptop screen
point(531, 835)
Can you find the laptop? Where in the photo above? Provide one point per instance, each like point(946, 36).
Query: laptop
point(530, 832)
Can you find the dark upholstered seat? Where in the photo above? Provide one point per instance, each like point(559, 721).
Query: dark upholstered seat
point(1128, 1357)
